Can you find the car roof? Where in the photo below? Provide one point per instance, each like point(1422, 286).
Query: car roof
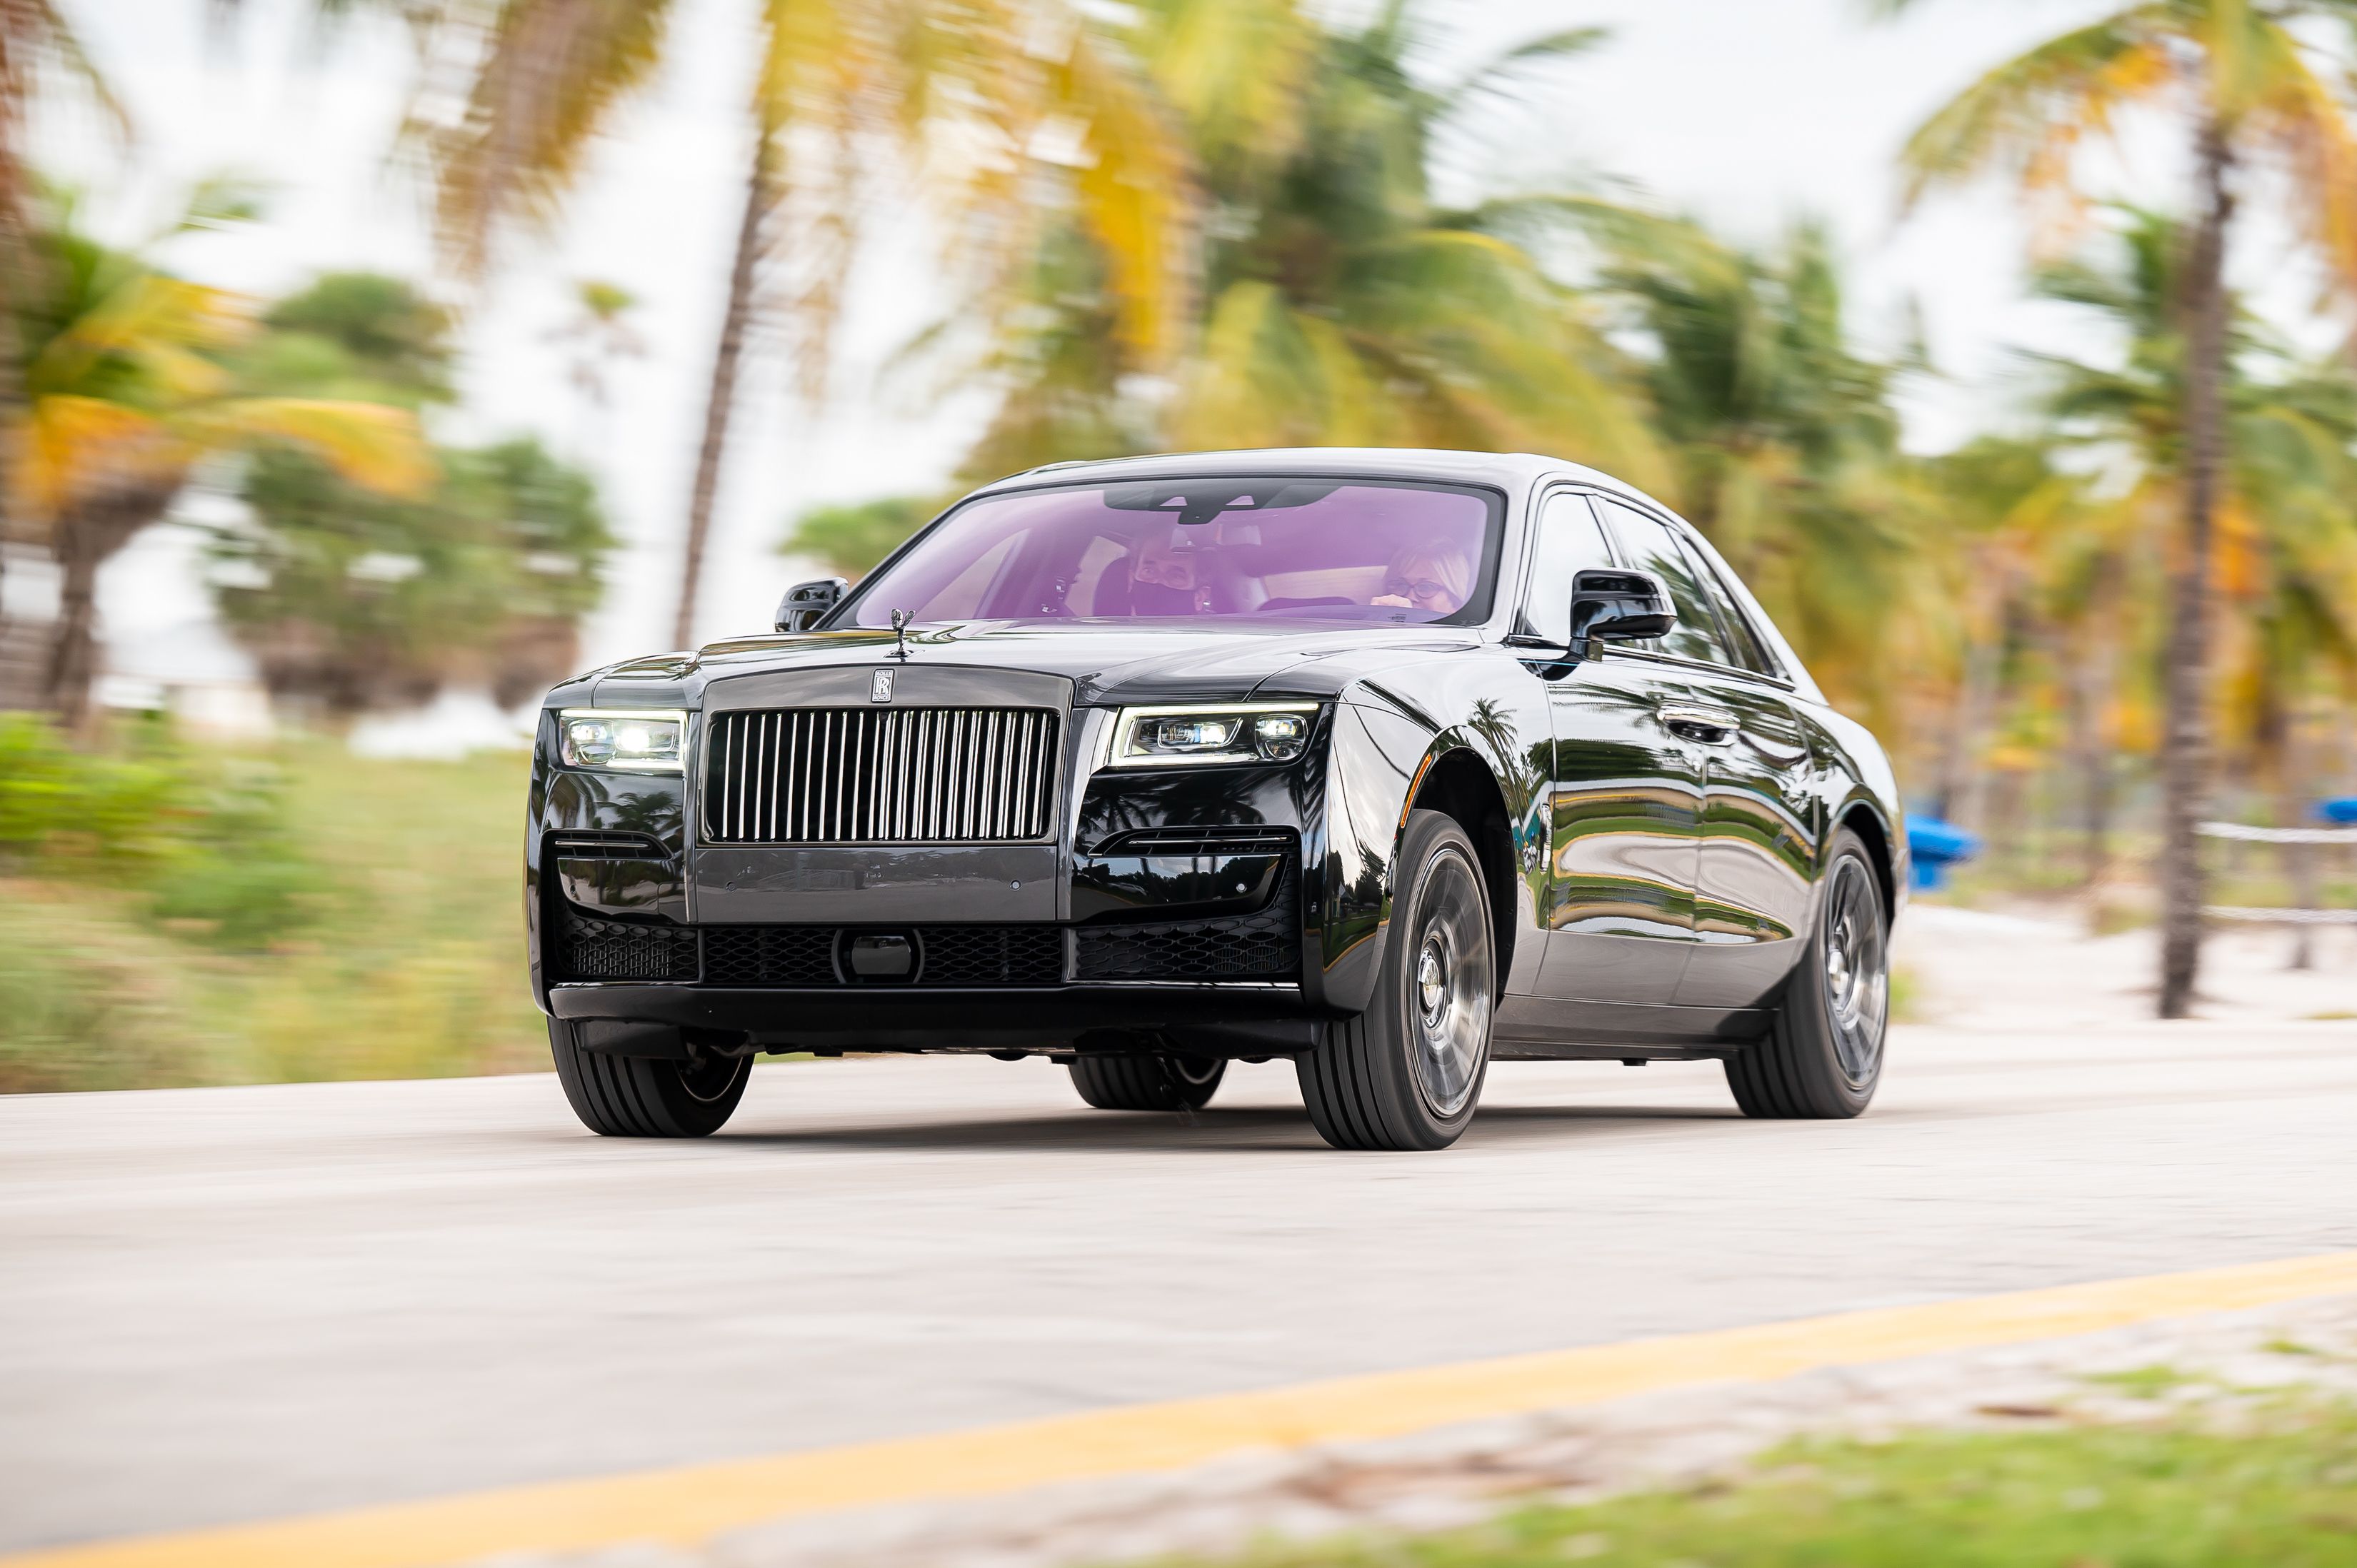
point(1514, 471)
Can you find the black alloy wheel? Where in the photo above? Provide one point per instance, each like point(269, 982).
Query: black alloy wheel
point(1824, 1057)
point(1407, 1073)
point(1148, 1082)
point(642, 1097)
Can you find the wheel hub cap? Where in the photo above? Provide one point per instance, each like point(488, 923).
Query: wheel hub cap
point(1857, 975)
point(1450, 981)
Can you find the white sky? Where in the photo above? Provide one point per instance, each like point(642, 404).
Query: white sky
point(1742, 112)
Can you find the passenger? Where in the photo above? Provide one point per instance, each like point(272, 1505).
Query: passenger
point(1434, 575)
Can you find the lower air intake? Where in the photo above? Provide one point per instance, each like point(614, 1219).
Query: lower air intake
point(1265, 945)
point(592, 949)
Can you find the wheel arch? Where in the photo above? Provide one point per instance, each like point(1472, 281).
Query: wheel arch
point(1459, 784)
point(1863, 819)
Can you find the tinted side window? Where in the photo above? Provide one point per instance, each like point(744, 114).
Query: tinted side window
point(1649, 543)
point(1569, 543)
point(1748, 651)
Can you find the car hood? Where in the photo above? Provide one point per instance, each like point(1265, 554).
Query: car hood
point(1105, 664)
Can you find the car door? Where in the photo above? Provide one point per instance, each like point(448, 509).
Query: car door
point(1758, 838)
point(1623, 803)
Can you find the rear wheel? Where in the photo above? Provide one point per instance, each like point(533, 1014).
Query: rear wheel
point(1407, 1073)
point(1824, 1057)
point(642, 1096)
point(1148, 1083)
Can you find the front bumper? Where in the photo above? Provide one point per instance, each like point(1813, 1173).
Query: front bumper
point(1213, 1018)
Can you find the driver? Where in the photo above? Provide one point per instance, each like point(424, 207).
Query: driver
point(1162, 576)
point(1434, 575)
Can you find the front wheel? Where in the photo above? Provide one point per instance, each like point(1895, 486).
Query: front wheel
point(1407, 1073)
point(1148, 1083)
point(642, 1096)
point(1824, 1056)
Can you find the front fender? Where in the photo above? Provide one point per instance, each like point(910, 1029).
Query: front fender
point(1388, 747)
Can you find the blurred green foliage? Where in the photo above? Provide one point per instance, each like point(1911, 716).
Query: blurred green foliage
point(853, 539)
point(199, 833)
point(352, 602)
point(175, 915)
point(2169, 1497)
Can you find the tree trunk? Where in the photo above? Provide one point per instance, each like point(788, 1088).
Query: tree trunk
point(2184, 752)
point(760, 194)
point(74, 645)
point(2299, 860)
point(1961, 769)
point(2089, 688)
point(83, 539)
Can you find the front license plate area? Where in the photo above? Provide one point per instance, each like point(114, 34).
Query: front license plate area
point(874, 886)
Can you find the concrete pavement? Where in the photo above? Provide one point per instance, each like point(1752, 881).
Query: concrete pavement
point(226, 1304)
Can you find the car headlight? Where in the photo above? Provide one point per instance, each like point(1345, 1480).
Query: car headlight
point(627, 740)
point(1234, 732)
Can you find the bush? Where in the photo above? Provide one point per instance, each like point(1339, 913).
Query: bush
point(85, 1009)
point(202, 837)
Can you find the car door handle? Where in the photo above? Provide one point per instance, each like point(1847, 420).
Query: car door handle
point(1708, 726)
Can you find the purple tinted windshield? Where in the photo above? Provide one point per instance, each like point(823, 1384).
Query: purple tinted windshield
point(1368, 552)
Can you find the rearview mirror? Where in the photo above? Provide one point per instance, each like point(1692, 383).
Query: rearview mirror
point(1614, 604)
point(806, 604)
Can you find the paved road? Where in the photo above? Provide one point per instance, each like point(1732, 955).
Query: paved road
point(224, 1304)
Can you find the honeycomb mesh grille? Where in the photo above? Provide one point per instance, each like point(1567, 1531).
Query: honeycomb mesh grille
point(1265, 945)
point(592, 949)
point(804, 956)
point(769, 955)
point(991, 955)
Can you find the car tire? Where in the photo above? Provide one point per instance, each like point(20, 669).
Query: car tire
point(1823, 1057)
point(1407, 1073)
point(1148, 1083)
point(642, 1096)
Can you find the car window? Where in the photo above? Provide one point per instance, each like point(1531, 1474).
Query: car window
point(961, 598)
point(1569, 541)
point(1359, 551)
point(1648, 542)
point(1748, 655)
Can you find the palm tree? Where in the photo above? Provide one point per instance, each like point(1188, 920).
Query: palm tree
point(126, 390)
point(2286, 553)
point(1342, 303)
point(984, 102)
point(599, 338)
point(2255, 83)
point(37, 46)
point(1783, 437)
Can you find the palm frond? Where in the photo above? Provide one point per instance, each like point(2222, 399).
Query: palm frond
point(553, 73)
point(1494, 74)
point(2029, 116)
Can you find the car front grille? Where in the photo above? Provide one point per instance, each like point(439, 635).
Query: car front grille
point(823, 776)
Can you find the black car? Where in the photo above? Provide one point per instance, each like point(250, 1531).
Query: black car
point(1392, 762)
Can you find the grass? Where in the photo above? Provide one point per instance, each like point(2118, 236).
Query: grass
point(2282, 1492)
point(407, 960)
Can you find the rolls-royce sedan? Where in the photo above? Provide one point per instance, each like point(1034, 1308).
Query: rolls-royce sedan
point(1393, 763)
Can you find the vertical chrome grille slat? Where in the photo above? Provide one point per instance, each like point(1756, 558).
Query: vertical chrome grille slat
point(894, 776)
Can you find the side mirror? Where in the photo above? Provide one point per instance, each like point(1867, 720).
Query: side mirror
point(807, 604)
point(1610, 605)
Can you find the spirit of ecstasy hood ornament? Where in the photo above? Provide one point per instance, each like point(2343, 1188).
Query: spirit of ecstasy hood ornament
point(901, 620)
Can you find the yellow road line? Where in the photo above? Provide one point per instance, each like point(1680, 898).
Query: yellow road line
point(692, 1503)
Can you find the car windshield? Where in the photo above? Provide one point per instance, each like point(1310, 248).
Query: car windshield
point(1360, 550)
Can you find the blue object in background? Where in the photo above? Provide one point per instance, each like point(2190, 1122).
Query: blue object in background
point(2343, 809)
point(1934, 846)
